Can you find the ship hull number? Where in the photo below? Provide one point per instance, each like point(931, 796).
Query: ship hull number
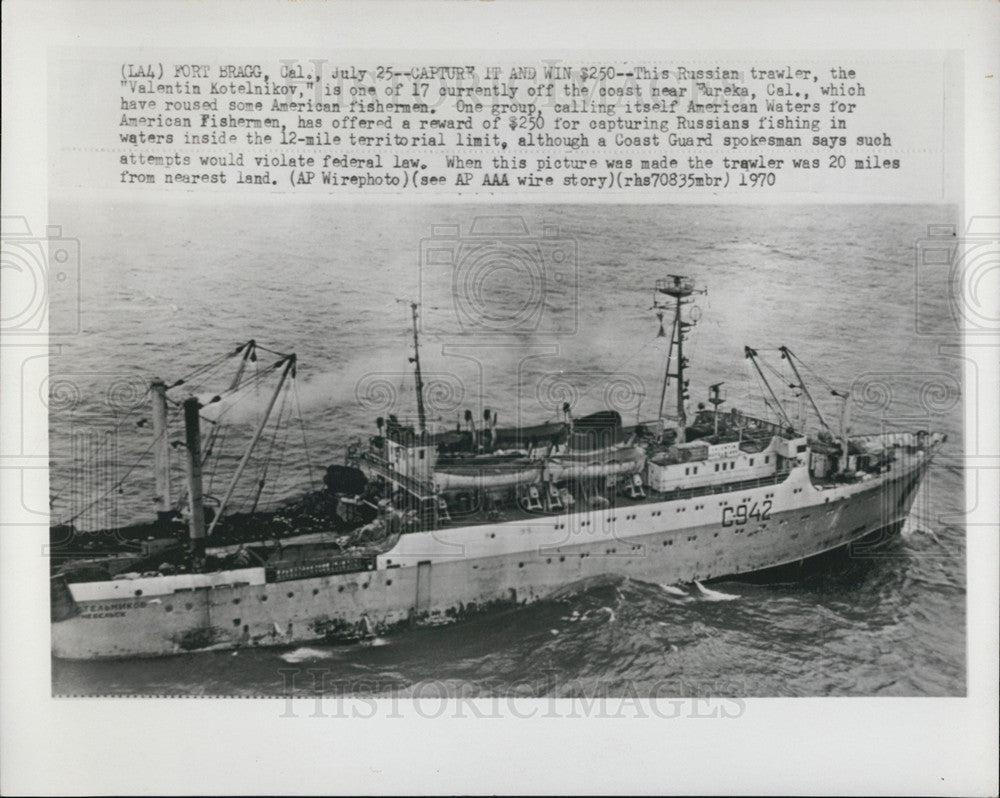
point(743, 513)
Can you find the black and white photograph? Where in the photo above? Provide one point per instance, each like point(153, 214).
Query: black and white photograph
point(499, 398)
point(580, 450)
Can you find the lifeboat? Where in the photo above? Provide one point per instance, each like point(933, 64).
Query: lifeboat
point(486, 472)
point(626, 460)
point(533, 437)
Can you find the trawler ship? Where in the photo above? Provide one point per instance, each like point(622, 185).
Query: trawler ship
point(432, 525)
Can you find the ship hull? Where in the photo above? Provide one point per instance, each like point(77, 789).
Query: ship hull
point(444, 575)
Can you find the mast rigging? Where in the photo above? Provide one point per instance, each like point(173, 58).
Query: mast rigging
point(787, 354)
point(680, 289)
point(289, 368)
point(751, 355)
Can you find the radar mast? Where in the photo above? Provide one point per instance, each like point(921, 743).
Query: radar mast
point(673, 293)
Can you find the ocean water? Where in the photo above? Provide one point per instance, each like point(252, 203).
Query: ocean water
point(554, 305)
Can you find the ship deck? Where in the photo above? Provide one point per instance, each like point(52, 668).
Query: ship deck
point(614, 500)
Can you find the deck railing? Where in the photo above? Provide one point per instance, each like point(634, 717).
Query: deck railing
point(324, 567)
point(724, 487)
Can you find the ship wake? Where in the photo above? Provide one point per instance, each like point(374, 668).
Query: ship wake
point(714, 595)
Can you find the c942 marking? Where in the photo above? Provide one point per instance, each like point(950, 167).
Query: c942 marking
point(743, 513)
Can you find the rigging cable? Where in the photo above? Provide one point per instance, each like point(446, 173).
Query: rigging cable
point(276, 480)
point(812, 373)
point(768, 403)
point(114, 487)
point(220, 428)
point(270, 452)
point(212, 364)
point(113, 431)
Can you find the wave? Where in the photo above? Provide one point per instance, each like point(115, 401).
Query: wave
point(305, 654)
point(714, 595)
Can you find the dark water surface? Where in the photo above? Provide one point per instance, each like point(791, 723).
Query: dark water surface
point(166, 289)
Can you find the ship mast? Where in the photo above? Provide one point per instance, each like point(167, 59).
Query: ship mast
point(196, 507)
point(670, 354)
point(679, 289)
point(161, 448)
point(415, 360)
